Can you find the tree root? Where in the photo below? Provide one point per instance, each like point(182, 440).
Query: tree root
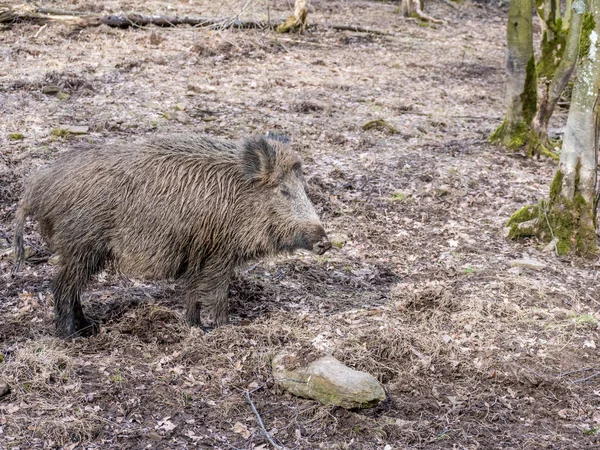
point(426, 18)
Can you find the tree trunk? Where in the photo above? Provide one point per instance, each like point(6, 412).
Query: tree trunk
point(569, 215)
point(553, 38)
point(566, 22)
point(297, 21)
point(561, 77)
point(408, 8)
point(521, 89)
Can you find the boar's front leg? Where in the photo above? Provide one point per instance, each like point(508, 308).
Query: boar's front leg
point(208, 295)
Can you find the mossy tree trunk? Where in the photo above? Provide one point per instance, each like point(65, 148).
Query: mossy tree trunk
point(521, 89)
point(297, 21)
point(553, 38)
point(561, 76)
point(569, 215)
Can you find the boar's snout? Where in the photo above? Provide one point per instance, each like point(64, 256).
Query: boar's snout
point(322, 243)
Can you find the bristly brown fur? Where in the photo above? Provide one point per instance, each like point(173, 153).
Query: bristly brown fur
point(181, 207)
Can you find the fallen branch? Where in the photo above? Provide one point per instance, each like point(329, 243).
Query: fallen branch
point(260, 422)
point(353, 28)
point(42, 16)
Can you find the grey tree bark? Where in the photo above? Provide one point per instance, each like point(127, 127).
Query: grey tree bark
point(521, 86)
point(561, 76)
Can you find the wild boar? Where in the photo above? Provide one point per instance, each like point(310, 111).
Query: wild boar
point(184, 207)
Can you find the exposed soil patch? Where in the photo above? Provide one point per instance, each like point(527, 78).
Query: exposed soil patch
point(473, 352)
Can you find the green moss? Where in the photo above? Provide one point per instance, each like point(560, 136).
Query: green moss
point(556, 186)
point(518, 222)
point(399, 196)
point(497, 134)
point(380, 124)
point(337, 244)
point(513, 139)
point(552, 50)
point(584, 319)
point(587, 26)
point(529, 95)
point(15, 136)
point(571, 222)
point(292, 25)
point(524, 214)
point(59, 132)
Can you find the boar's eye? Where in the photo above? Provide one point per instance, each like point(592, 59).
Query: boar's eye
point(285, 192)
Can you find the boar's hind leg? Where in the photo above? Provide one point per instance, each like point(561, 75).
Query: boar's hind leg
point(67, 288)
point(209, 295)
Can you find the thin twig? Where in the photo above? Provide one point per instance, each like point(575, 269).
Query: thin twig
point(585, 369)
point(594, 375)
point(227, 22)
point(260, 422)
point(551, 232)
point(42, 28)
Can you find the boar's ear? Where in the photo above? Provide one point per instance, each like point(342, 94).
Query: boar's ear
point(258, 158)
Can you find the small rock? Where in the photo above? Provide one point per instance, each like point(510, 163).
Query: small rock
point(589, 344)
point(54, 259)
point(551, 247)
point(528, 263)
point(4, 389)
point(328, 381)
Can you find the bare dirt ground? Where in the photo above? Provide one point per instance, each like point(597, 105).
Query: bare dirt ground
point(473, 353)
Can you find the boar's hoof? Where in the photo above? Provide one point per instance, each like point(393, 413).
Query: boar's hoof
point(88, 328)
point(82, 328)
point(322, 246)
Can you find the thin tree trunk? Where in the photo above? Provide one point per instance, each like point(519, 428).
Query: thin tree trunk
point(566, 22)
point(561, 76)
point(521, 88)
point(553, 38)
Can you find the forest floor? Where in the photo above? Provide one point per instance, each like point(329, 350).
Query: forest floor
point(473, 350)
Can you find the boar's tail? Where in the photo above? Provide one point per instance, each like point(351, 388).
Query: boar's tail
point(19, 244)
